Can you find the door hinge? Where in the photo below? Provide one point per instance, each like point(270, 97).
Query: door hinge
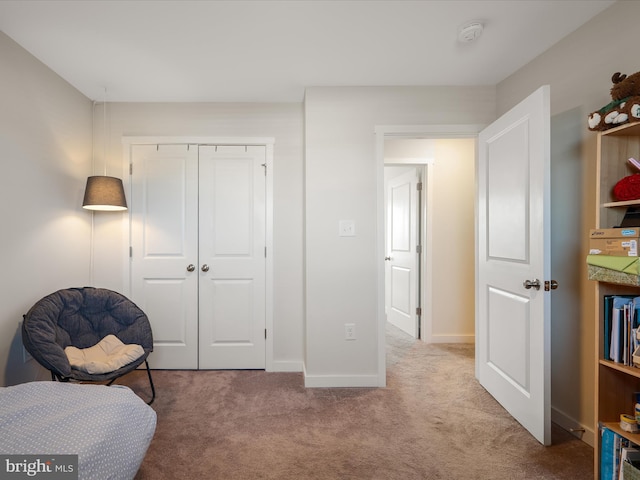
point(418, 311)
point(130, 252)
point(419, 249)
point(265, 252)
point(419, 186)
point(131, 169)
point(265, 169)
point(265, 333)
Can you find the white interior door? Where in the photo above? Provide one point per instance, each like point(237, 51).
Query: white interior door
point(164, 242)
point(513, 322)
point(402, 258)
point(232, 257)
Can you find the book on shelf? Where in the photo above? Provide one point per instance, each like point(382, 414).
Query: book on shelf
point(615, 452)
point(621, 321)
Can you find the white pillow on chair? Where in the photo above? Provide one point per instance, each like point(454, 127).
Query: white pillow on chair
point(108, 355)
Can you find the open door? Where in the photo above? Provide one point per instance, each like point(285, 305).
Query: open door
point(513, 244)
point(402, 272)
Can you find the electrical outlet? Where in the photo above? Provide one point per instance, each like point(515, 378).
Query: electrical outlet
point(349, 331)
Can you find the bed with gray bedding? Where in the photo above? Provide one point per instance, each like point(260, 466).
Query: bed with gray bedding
point(109, 428)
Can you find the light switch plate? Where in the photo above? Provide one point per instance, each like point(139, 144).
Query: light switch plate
point(346, 228)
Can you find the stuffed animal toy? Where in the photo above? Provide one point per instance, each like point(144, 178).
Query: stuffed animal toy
point(625, 106)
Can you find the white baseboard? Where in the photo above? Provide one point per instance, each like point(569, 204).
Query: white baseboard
point(572, 426)
point(453, 339)
point(287, 366)
point(327, 381)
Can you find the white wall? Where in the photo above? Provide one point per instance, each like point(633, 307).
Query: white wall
point(45, 150)
point(579, 70)
point(282, 121)
point(340, 183)
point(453, 241)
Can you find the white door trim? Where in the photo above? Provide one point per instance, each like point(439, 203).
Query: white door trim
point(268, 142)
point(403, 131)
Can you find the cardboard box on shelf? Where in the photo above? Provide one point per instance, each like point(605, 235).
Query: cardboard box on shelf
point(618, 242)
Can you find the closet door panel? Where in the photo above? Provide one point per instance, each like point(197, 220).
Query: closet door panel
point(232, 257)
point(163, 214)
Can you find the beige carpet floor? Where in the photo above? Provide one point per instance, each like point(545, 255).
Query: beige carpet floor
point(432, 421)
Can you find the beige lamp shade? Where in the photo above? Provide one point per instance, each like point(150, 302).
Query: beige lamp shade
point(104, 193)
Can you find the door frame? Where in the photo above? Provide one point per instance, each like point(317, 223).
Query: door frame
point(268, 143)
point(408, 132)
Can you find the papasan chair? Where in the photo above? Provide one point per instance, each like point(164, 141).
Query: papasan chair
point(86, 320)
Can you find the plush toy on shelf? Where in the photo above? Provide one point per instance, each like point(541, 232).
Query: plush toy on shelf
point(628, 188)
point(625, 106)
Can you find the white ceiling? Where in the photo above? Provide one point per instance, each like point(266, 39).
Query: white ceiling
point(263, 50)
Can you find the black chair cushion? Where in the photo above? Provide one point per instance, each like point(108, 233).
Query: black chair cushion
point(81, 317)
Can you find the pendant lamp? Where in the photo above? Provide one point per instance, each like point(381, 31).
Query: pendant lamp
point(104, 193)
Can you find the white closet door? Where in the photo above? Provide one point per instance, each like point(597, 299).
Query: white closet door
point(232, 257)
point(164, 236)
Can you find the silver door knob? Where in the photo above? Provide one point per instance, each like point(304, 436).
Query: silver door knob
point(205, 268)
point(387, 259)
point(531, 284)
point(191, 267)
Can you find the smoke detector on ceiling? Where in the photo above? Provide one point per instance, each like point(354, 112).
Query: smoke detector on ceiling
point(470, 32)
